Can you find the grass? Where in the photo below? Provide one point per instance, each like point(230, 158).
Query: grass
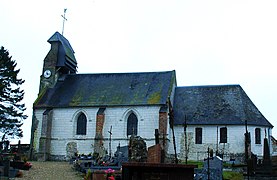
point(198, 163)
point(232, 175)
point(227, 175)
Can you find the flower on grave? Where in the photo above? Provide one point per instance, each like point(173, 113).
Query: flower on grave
point(28, 164)
point(110, 174)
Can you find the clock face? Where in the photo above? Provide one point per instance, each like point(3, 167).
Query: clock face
point(47, 73)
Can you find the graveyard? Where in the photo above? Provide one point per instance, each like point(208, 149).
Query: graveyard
point(13, 159)
point(132, 162)
point(136, 161)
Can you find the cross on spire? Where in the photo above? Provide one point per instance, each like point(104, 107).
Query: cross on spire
point(64, 19)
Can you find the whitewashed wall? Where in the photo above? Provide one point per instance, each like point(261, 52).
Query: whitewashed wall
point(148, 121)
point(64, 127)
point(234, 146)
point(64, 130)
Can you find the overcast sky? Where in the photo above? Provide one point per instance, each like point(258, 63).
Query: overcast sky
point(206, 42)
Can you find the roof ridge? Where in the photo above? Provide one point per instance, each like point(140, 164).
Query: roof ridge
point(204, 86)
point(110, 73)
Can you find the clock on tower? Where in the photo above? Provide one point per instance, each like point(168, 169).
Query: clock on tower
point(59, 62)
point(47, 73)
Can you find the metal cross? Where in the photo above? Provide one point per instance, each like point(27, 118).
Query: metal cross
point(64, 19)
point(110, 143)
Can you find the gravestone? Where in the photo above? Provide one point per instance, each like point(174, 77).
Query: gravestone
point(213, 169)
point(266, 154)
point(121, 154)
point(137, 149)
point(71, 149)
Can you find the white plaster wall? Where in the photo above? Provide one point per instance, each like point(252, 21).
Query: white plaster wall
point(64, 123)
point(234, 145)
point(64, 127)
point(64, 130)
point(148, 121)
point(265, 133)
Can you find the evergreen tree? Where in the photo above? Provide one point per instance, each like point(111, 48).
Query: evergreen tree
point(11, 110)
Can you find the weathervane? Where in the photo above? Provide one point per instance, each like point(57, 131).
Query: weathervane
point(64, 19)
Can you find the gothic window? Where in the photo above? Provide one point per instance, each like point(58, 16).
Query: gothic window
point(258, 136)
point(81, 125)
point(223, 135)
point(198, 135)
point(132, 124)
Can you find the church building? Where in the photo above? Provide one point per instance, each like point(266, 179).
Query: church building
point(88, 113)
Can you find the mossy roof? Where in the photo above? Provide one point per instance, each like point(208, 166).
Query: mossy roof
point(109, 89)
point(216, 105)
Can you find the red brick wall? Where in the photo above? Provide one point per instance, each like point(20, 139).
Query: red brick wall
point(162, 123)
point(100, 123)
point(100, 118)
point(154, 154)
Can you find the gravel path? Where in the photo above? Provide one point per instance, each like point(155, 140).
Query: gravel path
point(51, 171)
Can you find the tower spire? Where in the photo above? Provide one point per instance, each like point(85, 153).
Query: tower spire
point(64, 19)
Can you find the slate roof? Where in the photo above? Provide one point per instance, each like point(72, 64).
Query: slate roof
point(66, 56)
point(215, 105)
point(109, 89)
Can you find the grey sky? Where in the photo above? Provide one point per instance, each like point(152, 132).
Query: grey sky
point(206, 42)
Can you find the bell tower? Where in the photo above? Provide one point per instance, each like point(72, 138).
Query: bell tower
point(59, 62)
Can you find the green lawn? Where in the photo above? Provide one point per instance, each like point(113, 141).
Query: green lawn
point(227, 175)
point(198, 163)
point(232, 175)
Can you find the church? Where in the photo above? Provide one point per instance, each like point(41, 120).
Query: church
point(88, 113)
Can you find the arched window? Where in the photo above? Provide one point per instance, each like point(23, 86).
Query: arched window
point(81, 124)
point(132, 124)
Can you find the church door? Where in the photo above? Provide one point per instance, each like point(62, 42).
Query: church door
point(132, 124)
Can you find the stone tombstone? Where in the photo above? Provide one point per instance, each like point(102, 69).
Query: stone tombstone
point(266, 154)
point(137, 149)
point(71, 149)
point(215, 169)
point(121, 155)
